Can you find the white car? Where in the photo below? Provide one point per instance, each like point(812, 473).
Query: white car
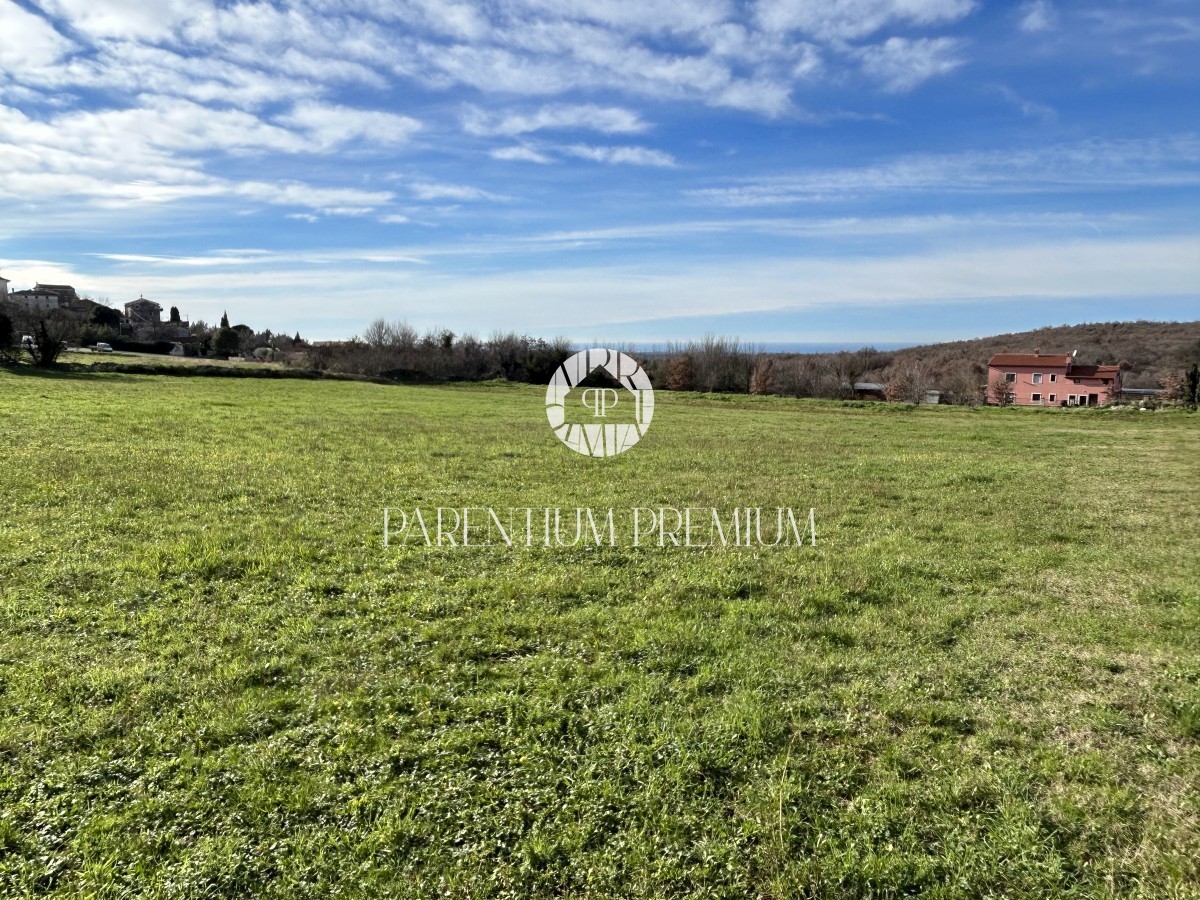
point(103, 348)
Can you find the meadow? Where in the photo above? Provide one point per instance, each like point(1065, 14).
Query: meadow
point(215, 680)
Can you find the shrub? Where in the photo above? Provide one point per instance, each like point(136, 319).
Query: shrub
point(47, 344)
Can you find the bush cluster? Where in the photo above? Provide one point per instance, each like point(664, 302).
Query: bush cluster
point(395, 350)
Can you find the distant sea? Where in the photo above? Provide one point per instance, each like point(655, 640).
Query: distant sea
point(785, 347)
point(778, 346)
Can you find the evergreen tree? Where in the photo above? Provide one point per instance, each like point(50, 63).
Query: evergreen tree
point(226, 342)
point(175, 314)
point(106, 317)
point(1192, 389)
point(224, 320)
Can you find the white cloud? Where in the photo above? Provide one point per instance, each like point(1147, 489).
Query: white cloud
point(903, 63)
point(28, 41)
point(588, 116)
point(634, 156)
point(333, 126)
point(850, 19)
point(172, 124)
point(1030, 108)
point(140, 156)
point(556, 57)
point(1064, 167)
point(682, 16)
point(767, 97)
point(1038, 15)
point(519, 154)
point(958, 275)
point(124, 18)
point(393, 219)
point(428, 190)
point(334, 201)
point(444, 18)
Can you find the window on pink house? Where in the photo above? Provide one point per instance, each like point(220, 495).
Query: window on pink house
point(1036, 398)
point(1010, 377)
point(1037, 377)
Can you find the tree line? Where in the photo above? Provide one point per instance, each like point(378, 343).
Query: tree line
point(396, 351)
point(713, 364)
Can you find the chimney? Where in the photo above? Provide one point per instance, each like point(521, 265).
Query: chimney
point(1037, 351)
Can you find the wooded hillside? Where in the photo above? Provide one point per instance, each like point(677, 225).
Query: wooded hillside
point(1145, 350)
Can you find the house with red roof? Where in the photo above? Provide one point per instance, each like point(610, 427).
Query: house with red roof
point(1035, 379)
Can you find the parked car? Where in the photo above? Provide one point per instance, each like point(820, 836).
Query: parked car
point(103, 348)
point(27, 340)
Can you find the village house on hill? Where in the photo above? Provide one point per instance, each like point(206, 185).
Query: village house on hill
point(48, 298)
point(142, 319)
point(143, 312)
point(1051, 380)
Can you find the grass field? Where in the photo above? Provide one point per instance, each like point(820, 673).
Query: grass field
point(216, 682)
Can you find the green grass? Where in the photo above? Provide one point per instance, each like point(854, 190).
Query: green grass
point(216, 682)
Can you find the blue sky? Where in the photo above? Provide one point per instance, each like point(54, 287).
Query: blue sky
point(856, 171)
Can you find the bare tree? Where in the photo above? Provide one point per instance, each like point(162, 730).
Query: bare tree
point(761, 381)
point(908, 383)
point(965, 384)
point(46, 343)
point(1002, 392)
point(1171, 386)
point(679, 374)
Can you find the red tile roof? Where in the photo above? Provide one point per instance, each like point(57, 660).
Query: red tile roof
point(1094, 371)
point(1029, 359)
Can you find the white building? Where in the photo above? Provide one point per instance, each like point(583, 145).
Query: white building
point(3, 288)
point(35, 301)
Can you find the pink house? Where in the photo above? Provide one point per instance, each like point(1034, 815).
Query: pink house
point(1050, 380)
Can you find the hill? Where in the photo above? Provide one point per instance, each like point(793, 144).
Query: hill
point(1146, 351)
